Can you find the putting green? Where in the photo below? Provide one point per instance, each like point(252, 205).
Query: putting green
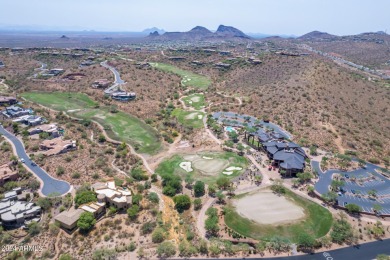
point(189, 118)
point(119, 126)
point(207, 166)
point(196, 101)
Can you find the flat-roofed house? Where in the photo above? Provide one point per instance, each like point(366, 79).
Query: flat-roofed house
point(68, 219)
point(15, 111)
point(7, 174)
point(51, 129)
point(114, 196)
point(16, 213)
point(7, 100)
point(57, 146)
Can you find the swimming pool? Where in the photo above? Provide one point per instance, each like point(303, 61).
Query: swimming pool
point(230, 129)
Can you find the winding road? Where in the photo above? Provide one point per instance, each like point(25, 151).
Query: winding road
point(118, 80)
point(49, 184)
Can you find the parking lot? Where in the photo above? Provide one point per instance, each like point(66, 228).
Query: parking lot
point(355, 193)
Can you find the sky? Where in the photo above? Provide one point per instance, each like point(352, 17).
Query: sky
point(289, 17)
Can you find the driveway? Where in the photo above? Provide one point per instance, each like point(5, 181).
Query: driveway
point(50, 185)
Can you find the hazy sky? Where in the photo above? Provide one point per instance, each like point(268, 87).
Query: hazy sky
point(263, 16)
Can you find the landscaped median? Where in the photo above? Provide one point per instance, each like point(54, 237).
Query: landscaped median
point(263, 215)
point(119, 126)
point(189, 79)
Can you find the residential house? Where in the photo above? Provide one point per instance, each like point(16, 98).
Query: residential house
point(15, 213)
point(101, 83)
point(15, 111)
point(7, 100)
point(68, 219)
point(123, 96)
point(57, 146)
point(51, 129)
point(113, 196)
point(29, 120)
point(7, 174)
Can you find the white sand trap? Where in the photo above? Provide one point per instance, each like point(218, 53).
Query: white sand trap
point(266, 207)
point(189, 79)
point(207, 158)
point(200, 117)
point(228, 173)
point(191, 115)
point(233, 168)
point(186, 166)
point(190, 102)
point(195, 99)
point(210, 167)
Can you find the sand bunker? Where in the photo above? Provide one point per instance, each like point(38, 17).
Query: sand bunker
point(206, 165)
point(191, 115)
point(233, 168)
point(195, 99)
point(200, 117)
point(210, 167)
point(186, 166)
point(228, 173)
point(266, 207)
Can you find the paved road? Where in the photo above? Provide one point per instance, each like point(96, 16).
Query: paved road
point(50, 184)
point(380, 184)
point(366, 251)
point(118, 80)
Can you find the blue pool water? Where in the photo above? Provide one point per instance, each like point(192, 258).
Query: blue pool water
point(229, 129)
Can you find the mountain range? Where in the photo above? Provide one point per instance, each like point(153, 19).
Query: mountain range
point(202, 33)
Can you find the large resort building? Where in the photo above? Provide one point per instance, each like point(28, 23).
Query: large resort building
point(288, 156)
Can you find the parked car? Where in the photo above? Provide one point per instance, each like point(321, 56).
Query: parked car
point(346, 176)
point(33, 164)
point(353, 191)
point(22, 160)
point(345, 203)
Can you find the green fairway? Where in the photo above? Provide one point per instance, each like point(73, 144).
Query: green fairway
point(317, 222)
point(61, 101)
point(189, 118)
point(188, 78)
point(119, 126)
point(195, 100)
point(171, 165)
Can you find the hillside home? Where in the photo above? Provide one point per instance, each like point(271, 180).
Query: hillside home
point(123, 96)
point(113, 196)
point(101, 83)
point(15, 111)
point(8, 100)
point(51, 129)
point(29, 120)
point(57, 146)
point(14, 213)
point(7, 174)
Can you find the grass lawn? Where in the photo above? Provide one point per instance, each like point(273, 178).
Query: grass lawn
point(171, 166)
point(195, 100)
point(188, 78)
point(119, 126)
point(318, 222)
point(189, 118)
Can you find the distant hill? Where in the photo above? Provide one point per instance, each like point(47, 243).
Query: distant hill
point(317, 35)
point(229, 31)
point(152, 30)
point(202, 33)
